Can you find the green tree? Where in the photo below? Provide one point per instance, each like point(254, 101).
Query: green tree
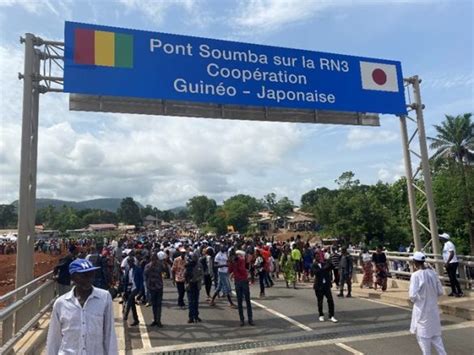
point(374, 214)
point(8, 216)
point(182, 215)
point(235, 211)
point(238, 210)
point(47, 216)
point(309, 199)
point(95, 216)
point(454, 142)
point(218, 221)
point(149, 210)
point(280, 208)
point(269, 201)
point(167, 215)
point(129, 212)
point(346, 180)
point(283, 207)
point(201, 208)
point(448, 196)
point(67, 219)
point(252, 203)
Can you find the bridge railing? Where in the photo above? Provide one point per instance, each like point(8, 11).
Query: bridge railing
point(23, 307)
point(401, 266)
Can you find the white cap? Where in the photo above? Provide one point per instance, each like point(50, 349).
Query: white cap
point(444, 236)
point(161, 255)
point(418, 256)
point(240, 252)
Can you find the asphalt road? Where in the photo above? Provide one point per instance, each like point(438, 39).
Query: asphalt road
point(286, 321)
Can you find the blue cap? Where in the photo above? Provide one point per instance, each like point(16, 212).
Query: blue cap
point(81, 265)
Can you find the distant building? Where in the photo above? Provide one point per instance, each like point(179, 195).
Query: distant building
point(101, 227)
point(151, 221)
point(47, 234)
point(295, 221)
point(300, 221)
point(266, 224)
point(76, 232)
point(126, 227)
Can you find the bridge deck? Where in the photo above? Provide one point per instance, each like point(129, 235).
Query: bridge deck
point(286, 321)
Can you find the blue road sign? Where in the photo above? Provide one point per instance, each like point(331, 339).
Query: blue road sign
point(101, 60)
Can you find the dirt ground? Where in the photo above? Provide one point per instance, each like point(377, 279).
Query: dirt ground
point(43, 264)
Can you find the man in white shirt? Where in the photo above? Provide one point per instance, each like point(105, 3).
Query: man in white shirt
point(425, 288)
point(82, 320)
point(451, 264)
point(221, 262)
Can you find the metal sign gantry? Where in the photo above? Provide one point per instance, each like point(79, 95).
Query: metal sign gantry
point(36, 79)
point(409, 151)
point(43, 57)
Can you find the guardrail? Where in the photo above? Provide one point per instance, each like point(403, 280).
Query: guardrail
point(395, 259)
point(23, 307)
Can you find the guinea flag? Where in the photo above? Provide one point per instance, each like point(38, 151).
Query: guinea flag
point(108, 49)
point(379, 76)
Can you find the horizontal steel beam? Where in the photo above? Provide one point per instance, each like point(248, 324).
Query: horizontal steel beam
point(79, 102)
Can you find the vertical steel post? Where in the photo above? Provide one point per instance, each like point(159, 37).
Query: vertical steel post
point(426, 166)
point(410, 182)
point(29, 141)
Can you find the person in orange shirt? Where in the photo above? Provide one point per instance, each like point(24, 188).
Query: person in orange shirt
point(178, 269)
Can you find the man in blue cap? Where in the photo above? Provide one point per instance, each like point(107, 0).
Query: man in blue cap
point(82, 320)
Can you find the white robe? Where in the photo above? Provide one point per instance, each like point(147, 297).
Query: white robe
point(425, 288)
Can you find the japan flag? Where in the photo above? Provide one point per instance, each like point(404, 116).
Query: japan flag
point(378, 76)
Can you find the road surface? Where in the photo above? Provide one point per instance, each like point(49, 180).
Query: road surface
point(286, 322)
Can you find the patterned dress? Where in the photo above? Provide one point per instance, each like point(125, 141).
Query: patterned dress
point(368, 278)
point(381, 270)
point(288, 266)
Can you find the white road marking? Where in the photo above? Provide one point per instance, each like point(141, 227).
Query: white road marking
point(143, 330)
point(281, 315)
point(119, 328)
point(386, 304)
point(308, 344)
point(349, 349)
point(197, 345)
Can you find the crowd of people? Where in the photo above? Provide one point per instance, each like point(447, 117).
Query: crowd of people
point(134, 268)
point(7, 247)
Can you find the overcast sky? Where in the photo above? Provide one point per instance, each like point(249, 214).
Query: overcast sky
point(164, 161)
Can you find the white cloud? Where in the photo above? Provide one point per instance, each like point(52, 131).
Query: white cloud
point(159, 160)
point(155, 10)
point(358, 138)
point(58, 7)
point(268, 15)
point(390, 172)
point(448, 80)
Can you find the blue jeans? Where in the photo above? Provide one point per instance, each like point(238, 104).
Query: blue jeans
point(224, 283)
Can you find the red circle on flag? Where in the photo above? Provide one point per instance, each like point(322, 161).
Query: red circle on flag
point(379, 76)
